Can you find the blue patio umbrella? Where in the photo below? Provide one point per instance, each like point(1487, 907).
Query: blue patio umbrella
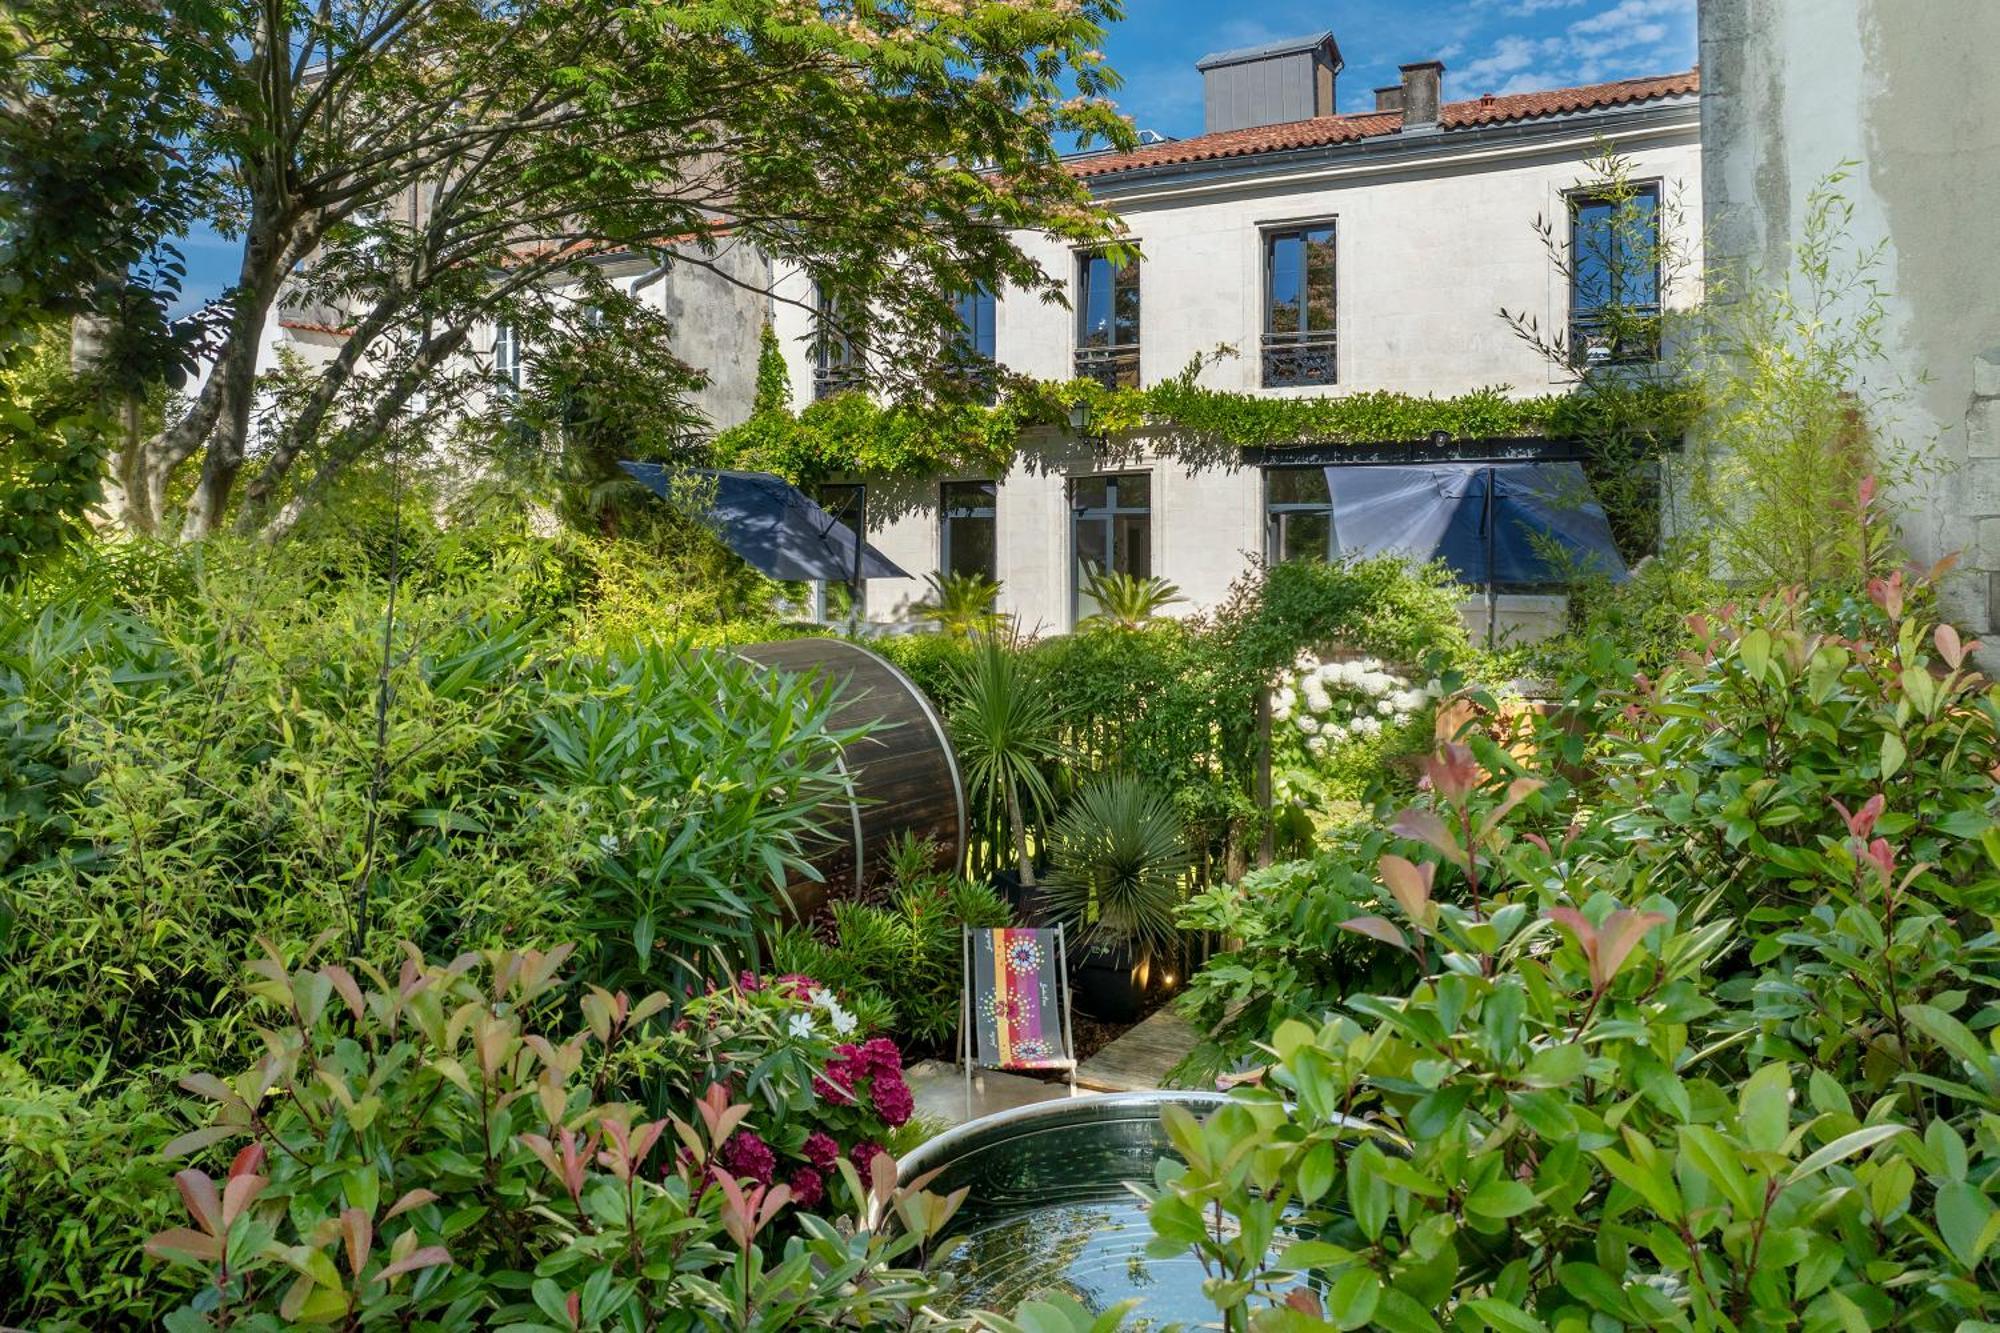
point(1496, 524)
point(770, 523)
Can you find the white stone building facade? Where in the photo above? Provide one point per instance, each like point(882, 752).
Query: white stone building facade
point(1424, 210)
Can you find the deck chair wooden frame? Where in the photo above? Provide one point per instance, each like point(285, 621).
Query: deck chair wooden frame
point(968, 1028)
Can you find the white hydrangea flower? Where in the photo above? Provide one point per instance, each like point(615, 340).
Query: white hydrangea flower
point(1317, 745)
point(1335, 734)
point(1386, 708)
point(1317, 699)
point(1309, 724)
point(1368, 726)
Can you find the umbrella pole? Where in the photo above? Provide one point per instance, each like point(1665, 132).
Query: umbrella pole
point(1492, 590)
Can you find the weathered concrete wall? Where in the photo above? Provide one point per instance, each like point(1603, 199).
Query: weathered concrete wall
point(1906, 92)
point(718, 315)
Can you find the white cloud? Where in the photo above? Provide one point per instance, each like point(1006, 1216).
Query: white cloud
point(1616, 40)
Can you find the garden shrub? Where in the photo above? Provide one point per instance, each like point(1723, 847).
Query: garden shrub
point(1706, 1043)
point(429, 1149)
point(200, 749)
point(902, 962)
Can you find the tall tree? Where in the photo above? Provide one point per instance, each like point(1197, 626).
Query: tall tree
point(429, 164)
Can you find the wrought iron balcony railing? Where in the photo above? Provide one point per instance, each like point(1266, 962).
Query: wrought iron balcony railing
point(830, 380)
point(1629, 337)
point(1113, 367)
point(1295, 359)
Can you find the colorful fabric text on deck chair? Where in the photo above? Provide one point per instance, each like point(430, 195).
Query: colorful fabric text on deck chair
point(1014, 1010)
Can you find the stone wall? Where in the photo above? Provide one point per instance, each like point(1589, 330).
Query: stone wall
point(1900, 96)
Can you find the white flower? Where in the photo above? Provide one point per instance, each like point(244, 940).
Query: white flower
point(1400, 720)
point(825, 999)
point(1386, 708)
point(1368, 726)
point(802, 1026)
point(607, 843)
point(1309, 724)
point(1317, 699)
point(1317, 745)
point(1334, 733)
point(843, 1022)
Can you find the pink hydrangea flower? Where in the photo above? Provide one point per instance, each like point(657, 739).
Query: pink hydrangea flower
point(807, 1187)
point(821, 1150)
point(878, 1056)
point(861, 1154)
point(892, 1098)
point(747, 1155)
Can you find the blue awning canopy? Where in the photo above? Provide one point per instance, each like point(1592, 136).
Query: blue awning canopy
point(769, 522)
point(1495, 524)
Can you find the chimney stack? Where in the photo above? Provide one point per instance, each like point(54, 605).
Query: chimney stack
point(1423, 94)
point(1390, 98)
point(1272, 84)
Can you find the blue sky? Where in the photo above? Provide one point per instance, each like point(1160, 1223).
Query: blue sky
point(1488, 46)
point(1495, 46)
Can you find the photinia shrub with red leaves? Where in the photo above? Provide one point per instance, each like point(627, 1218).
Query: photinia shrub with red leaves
point(422, 1149)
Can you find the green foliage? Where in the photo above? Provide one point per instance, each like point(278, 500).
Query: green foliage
point(54, 436)
point(1794, 398)
point(1117, 867)
point(77, 1202)
point(851, 434)
point(901, 962)
point(1291, 960)
point(1125, 601)
point(1005, 726)
point(429, 1148)
point(1687, 1023)
point(774, 381)
point(961, 605)
point(706, 775)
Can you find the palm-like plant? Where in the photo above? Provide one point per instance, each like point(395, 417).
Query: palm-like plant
point(1127, 601)
point(961, 605)
point(1117, 860)
point(1005, 727)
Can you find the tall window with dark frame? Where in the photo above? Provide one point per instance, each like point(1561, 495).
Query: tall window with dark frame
point(1298, 514)
point(1300, 346)
point(967, 537)
point(1614, 280)
point(1111, 531)
point(837, 363)
point(976, 342)
point(1107, 329)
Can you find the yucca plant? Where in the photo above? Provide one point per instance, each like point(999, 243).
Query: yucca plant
point(961, 605)
point(1126, 601)
point(1117, 861)
point(1006, 728)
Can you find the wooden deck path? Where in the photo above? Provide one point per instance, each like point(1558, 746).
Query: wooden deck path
point(1139, 1060)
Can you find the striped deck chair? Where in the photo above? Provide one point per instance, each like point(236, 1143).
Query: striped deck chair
point(1014, 1009)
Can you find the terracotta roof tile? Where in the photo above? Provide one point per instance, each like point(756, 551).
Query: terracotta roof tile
point(308, 326)
point(1325, 131)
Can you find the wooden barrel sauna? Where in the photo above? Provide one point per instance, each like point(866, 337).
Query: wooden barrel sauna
point(905, 776)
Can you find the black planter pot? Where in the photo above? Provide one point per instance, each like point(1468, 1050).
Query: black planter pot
point(1026, 901)
point(1112, 984)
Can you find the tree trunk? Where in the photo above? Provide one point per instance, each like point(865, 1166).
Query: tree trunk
point(305, 427)
point(365, 434)
point(1020, 827)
